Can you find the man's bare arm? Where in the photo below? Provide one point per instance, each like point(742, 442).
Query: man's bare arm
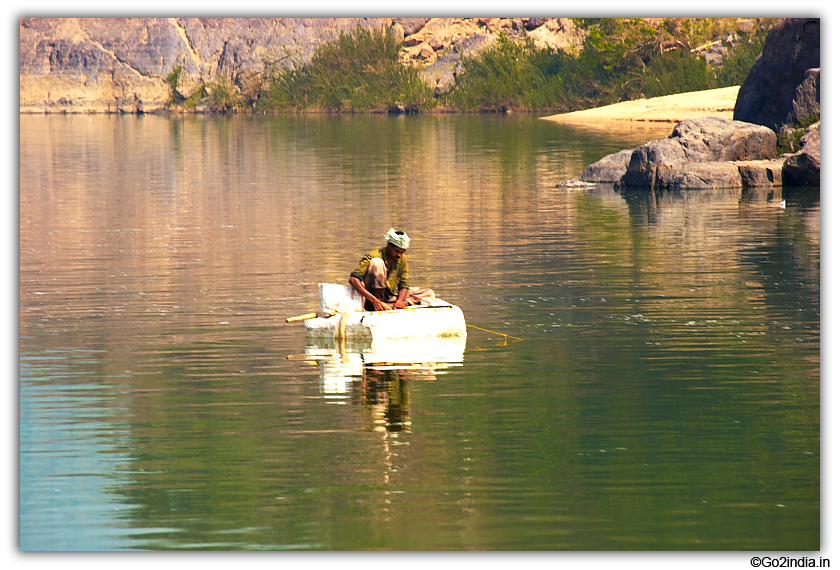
point(357, 284)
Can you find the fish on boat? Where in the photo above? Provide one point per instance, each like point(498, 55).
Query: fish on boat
point(342, 315)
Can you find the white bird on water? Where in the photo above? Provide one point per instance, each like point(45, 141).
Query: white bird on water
point(782, 204)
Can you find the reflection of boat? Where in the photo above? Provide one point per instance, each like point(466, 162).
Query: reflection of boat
point(343, 362)
point(341, 315)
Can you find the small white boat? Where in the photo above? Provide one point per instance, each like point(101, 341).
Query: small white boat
point(341, 315)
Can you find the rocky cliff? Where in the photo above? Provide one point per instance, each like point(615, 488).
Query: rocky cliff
point(78, 65)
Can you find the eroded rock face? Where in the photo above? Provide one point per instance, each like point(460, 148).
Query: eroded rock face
point(122, 64)
point(768, 93)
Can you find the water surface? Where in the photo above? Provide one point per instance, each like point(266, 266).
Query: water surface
point(665, 395)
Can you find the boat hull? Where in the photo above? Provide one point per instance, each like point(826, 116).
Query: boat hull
point(443, 320)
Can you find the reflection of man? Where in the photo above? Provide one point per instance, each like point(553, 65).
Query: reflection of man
point(387, 395)
point(382, 277)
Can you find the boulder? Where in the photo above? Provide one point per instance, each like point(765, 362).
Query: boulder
point(647, 160)
point(719, 139)
point(791, 49)
point(609, 169)
point(411, 25)
point(700, 153)
point(803, 167)
point(534, 23)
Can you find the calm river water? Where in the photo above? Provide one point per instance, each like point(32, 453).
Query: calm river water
point(665, 394)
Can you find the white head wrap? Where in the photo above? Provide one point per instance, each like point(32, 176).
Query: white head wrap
point(399, 239)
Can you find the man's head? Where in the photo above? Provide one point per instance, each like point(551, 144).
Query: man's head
point(398, 238)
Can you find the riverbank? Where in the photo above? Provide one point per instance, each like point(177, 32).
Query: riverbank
point(667, 109)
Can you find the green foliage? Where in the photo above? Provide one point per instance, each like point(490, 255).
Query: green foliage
point(361, 71)
point(676, 72)
point(224, 95)
point(741, 58)
point(621, 59)
point(788, 139)
point(499, 78)
point(172, 80)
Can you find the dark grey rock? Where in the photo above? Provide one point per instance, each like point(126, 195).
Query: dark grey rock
point(806, 100)
point(791, 49)
point(411, 25)
point(534, 23)
point(803, 167)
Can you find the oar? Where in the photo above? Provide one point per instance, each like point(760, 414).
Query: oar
point(301, 317)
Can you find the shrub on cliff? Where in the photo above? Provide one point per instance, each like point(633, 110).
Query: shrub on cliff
point(501, 77)
point(359, 72)
point(621, 59)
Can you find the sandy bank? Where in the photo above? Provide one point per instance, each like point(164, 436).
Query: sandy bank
point(668, 109)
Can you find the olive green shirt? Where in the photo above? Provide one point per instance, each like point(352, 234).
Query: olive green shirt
point(397, 273)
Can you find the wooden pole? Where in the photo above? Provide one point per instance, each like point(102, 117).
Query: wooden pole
point(302, 317)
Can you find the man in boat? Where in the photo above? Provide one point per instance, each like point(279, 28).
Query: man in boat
point(382, 277)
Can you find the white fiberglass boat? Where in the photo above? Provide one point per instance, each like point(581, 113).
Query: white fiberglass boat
point(341, 315)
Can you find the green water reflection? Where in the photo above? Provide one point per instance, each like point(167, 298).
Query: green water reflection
point(665, 396)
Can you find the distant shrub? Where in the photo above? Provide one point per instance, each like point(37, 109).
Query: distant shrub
point(359, 72)
point(504, 76)
point(224, 95)
point(740, 59)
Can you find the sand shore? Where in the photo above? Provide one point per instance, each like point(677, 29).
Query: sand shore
point(668, 109)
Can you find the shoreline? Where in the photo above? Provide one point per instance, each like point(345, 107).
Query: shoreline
point(666, 109)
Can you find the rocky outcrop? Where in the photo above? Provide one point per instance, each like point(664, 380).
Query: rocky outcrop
point(124, 64)
point(700, 153)
point(783, 85)
point(781, 92)
point(803, 167)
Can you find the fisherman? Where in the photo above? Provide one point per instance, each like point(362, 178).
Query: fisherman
point(382, 277)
